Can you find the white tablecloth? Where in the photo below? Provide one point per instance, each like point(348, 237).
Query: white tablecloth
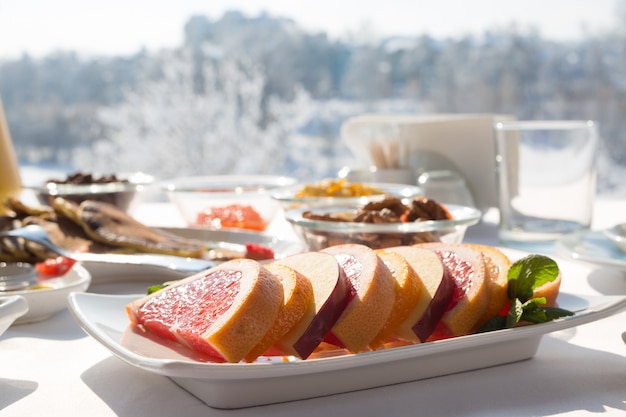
point(53, 368)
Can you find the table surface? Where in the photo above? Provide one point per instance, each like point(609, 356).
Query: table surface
point(53, 368)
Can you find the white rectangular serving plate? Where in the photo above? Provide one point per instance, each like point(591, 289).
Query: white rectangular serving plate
point(224, 385)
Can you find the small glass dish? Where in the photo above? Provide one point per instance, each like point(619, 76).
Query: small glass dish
point(226, 201)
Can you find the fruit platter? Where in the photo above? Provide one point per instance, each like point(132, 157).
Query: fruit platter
point(305, 366)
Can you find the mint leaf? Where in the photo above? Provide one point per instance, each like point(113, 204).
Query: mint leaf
point(515, 313)
point(529, 273)
point(535, 313)
point(524, 276)
point(155, 288)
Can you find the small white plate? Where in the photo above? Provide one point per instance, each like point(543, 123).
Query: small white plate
point(250, 384)
point(591, 246)
point(11, 308)
point(52, 297)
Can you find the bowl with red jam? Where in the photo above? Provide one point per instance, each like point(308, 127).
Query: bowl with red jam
point(217, 202)
point(384, 223)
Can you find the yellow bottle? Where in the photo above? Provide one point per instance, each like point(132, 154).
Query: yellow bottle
point(10, 182)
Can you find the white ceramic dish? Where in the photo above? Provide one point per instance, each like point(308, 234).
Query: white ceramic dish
point(11, 308)
point(103, 272)
point(591, 246)
point(244, 385)
point(47, 301)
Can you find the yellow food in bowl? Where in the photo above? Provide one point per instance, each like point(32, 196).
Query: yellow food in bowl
point(337, 188)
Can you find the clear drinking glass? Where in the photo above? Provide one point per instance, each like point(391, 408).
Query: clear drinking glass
point(546, 178)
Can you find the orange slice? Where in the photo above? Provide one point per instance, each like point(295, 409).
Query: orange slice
point(366, 314)
point(298, 297)
point(224, 311)
point(407, 288)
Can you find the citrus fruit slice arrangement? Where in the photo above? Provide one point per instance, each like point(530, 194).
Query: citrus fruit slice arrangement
point(344, 299)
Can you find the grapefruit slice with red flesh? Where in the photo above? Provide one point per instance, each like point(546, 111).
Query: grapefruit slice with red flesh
point(471, 296)
point(366, 314)
point(331, 293)
point(298, 297)
point(223, 311)
point(437, 289)
point(407, 288)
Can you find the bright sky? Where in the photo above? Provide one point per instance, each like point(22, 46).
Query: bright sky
point(124, 26)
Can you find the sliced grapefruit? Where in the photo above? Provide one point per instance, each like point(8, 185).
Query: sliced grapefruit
point(298, 298)
point(407, 288)
point(331, 293)
point(497, 265)
point(366, 314)
point(437, 289)
point(471, 296)
point(223, 312)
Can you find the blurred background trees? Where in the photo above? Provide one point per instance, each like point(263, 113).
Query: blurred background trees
point(259, 94)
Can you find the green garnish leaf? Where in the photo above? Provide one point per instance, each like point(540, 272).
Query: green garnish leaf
point(529, 273)
point(524, 277)
point(515, 313)
point(535, 313)
point(155, 288)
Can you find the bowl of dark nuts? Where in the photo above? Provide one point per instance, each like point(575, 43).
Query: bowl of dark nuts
point(118, 190)
point(382, 224)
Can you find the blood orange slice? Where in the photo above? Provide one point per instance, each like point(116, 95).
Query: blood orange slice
point(223, 311)
point(471, 297)
point(367, 313)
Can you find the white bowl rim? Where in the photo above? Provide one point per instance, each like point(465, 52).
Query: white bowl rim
point(286, 193)
point(190, 183)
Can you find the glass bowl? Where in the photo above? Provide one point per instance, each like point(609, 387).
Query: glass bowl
point(226, 201)
point(320, 234)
